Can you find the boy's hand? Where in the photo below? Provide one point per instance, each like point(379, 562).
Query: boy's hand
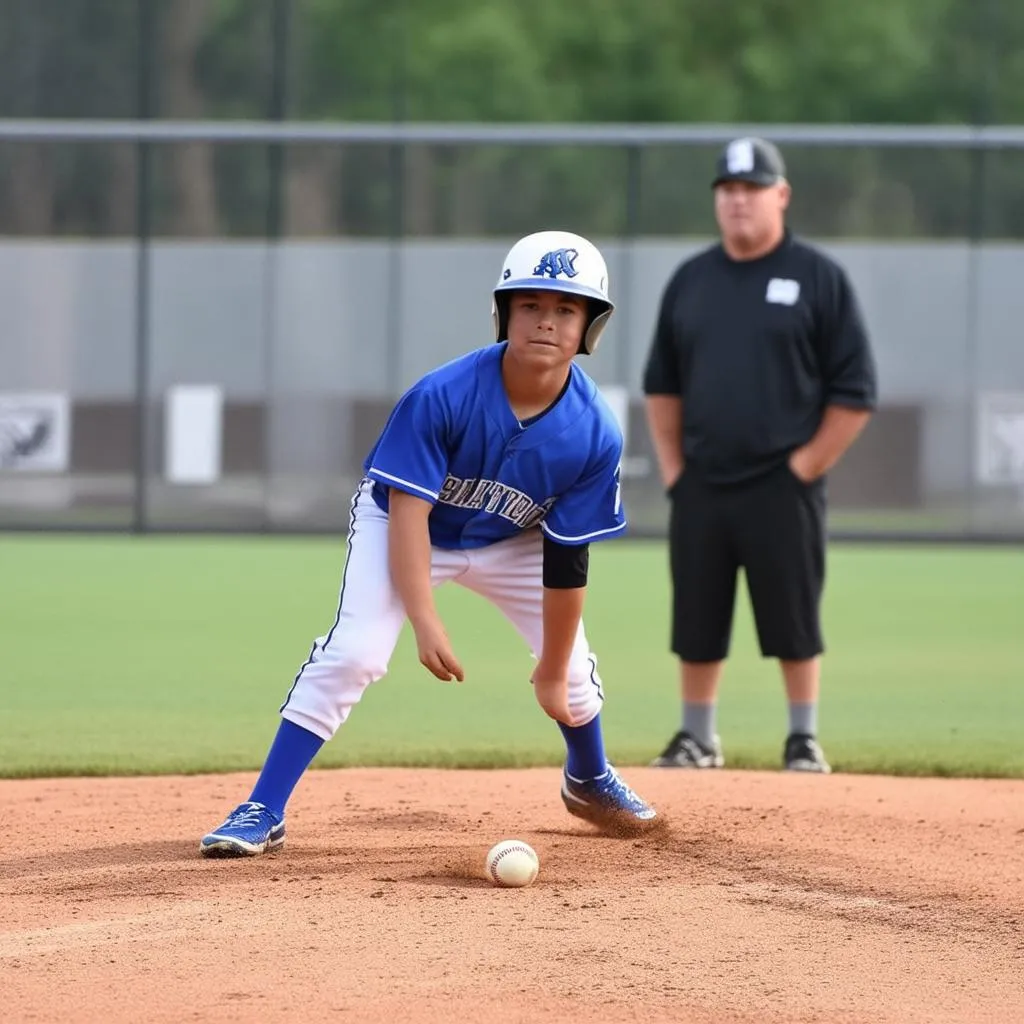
point(435, 651)
point(551, 689)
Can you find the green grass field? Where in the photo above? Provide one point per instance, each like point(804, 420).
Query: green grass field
point(171, 654)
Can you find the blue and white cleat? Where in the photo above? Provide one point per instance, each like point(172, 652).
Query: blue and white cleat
point(608, 803)
point(250, 829)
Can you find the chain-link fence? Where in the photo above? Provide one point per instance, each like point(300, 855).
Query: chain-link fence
point(232, 231)
point(205, 323)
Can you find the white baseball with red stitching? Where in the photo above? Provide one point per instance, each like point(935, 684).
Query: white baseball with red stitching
point(512, 864)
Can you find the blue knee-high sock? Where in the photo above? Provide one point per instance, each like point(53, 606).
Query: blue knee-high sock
point(585, 745)
point(290, 755)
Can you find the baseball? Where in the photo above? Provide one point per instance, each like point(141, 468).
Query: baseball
point(512, 864)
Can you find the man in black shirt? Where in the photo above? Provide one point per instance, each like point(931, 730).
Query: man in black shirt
point(760, 376)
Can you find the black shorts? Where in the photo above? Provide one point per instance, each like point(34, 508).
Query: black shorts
point(774, 529)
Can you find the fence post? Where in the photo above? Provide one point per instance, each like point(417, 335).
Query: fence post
point(980, 161)
point(276, 161)
point(397, 154)
point(632, 226)
point(143, 229)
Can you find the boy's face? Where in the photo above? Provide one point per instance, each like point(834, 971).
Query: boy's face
point(546, 328)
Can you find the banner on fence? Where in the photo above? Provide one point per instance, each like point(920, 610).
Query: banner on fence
point(1000, 458)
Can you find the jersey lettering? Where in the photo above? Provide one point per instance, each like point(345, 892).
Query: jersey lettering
point(490, 495)
point(476, 495)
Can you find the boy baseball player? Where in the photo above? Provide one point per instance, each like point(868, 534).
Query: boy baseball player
point(495, 471)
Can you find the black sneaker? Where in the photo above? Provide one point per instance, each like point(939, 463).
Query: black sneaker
point(803, 754)
point(685, 751)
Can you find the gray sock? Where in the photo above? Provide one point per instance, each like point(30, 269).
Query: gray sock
point(803, 718)
point(699, 722)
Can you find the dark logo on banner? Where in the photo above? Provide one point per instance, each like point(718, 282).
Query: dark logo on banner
point(23, 434)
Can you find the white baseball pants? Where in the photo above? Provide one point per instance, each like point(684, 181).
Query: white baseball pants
point(357, 649)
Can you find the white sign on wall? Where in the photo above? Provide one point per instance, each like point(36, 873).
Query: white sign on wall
point(1000, 455)
point(35, 432)
point(193, 429)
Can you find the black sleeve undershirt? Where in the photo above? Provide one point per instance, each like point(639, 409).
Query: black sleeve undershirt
point(565, 565)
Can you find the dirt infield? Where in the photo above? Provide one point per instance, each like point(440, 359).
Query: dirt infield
point(770, 898)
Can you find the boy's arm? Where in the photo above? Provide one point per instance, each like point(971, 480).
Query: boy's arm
point(562, 612)
point(589, 511)
point(409, 565)
point(565, 588)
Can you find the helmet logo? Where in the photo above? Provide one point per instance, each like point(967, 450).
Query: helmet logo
point(556, 263)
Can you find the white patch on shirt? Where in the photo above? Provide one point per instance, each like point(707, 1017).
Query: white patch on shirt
point(783, 291)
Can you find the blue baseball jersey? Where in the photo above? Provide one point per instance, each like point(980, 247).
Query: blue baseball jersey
point(453, 439)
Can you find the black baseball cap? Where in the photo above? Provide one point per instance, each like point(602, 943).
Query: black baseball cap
point(750, 159)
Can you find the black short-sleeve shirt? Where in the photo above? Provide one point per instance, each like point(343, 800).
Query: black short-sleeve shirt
point(757, 349)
